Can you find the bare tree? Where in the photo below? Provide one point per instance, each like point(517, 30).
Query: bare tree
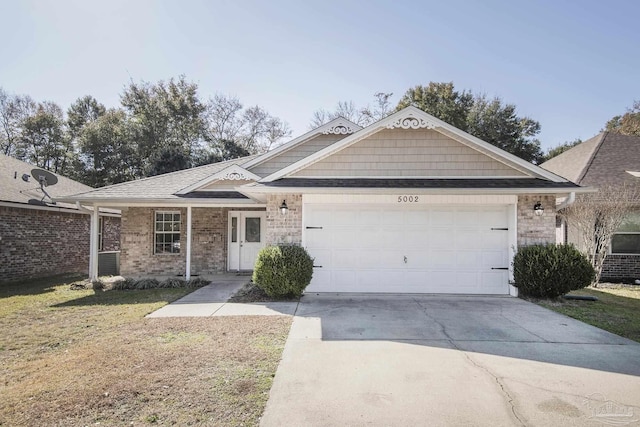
point(14, 110)
point(253, 129)
point(362, 116)
point(597, 216)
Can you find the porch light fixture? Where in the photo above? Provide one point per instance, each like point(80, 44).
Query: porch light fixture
point(284, 208)
point(538, 209)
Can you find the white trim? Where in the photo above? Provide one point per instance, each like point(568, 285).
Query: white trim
point(392, 199)
point(196, 203)
point(54, 209)
point(327, 128)
point(413, 113)
point(361, 190)
point(187, 273)
point(415, 177)
point(93, 244)
point(230, 173)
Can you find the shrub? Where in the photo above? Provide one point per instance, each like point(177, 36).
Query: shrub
point(283, 271)
point(548, 271)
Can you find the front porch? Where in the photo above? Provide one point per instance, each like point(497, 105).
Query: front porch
point(190, 241)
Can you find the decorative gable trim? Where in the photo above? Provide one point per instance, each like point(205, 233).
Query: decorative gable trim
point(338, 126)
point(407, 118)
point(231, 173)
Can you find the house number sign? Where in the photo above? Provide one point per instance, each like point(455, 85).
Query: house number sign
point(408, 199)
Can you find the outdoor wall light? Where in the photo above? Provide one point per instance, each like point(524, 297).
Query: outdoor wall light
point(538, 209)
point(284, 208)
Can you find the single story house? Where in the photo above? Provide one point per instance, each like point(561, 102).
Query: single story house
point(40, 237)
point(607, 159)
point(408, 204)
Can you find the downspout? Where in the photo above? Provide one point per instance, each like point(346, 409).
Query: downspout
point(569, 201)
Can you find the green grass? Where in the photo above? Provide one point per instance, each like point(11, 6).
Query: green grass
point(617, 309)
point(84, 357)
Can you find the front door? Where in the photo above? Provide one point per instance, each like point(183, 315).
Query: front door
point(246, 238)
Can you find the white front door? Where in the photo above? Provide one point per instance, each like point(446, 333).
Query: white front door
point(246, 238)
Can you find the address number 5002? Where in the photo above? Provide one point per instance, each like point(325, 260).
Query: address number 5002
point(408, 199)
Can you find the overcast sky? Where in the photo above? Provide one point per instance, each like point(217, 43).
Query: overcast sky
point(571, 65)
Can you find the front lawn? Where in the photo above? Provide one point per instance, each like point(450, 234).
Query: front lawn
point(617, 309)
point(77, 358)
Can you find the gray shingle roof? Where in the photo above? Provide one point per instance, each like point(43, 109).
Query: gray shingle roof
point(14, 189)
point(157, 187)
point(479, 183)
point(601, 160)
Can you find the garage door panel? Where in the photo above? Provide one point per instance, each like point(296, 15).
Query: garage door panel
point(468, 260)
point(344, 258)
point(423, 249)
point(441, 238)
point(416, 238)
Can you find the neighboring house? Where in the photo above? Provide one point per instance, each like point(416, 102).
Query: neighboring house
point(407, 204)
point(39, 237)
point(608, 159)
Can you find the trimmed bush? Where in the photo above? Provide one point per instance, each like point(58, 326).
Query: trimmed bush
point(548, 271)
point(283, 271)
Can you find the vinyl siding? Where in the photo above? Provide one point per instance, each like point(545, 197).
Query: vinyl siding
point(296, 153)
point(411, 153)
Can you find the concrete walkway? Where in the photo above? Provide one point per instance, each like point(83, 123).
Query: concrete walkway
point(211, 300)
point(450, 361)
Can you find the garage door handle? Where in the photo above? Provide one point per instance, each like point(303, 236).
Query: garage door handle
point(313, 228)
point(499, 228)
point(499, 268)
point(317, 266)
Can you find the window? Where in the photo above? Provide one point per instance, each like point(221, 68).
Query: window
point(167, 232)
point(252, 229)
point(627, 238)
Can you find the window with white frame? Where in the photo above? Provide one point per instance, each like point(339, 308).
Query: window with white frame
point(167, 232)
point(627, 239)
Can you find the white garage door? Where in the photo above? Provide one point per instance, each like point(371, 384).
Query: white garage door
point(381, 248)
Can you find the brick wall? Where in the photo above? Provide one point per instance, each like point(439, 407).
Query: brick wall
point(621, 267)
point(284, 228)
point(208, 242)
point(39, 243)
point(532, 229)
point(110, 233)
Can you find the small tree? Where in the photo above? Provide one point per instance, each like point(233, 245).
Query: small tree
point(597, 216)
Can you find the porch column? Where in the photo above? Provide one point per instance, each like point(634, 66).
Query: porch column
point(93, 244)
point(187, 275)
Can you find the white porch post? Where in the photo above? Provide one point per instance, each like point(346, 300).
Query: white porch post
point(93, 243)
point(187, 275)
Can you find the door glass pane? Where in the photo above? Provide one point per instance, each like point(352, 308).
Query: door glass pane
point(252, 229)
point(234, 229)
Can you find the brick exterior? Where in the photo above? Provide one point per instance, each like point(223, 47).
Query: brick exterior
point(208, 243)
point(532, 229)
point(621, 268)
point(287, 228)
point(39, 243)
point(110, 233)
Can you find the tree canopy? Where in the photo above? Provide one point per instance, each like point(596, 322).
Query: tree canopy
point(159, 127)
point(489, 119)
point(627, 123)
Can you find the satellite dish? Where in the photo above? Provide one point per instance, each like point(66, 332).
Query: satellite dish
point(25, 177)
point(45, 178)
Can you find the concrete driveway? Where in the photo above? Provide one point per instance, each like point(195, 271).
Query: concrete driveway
point(425, 360)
